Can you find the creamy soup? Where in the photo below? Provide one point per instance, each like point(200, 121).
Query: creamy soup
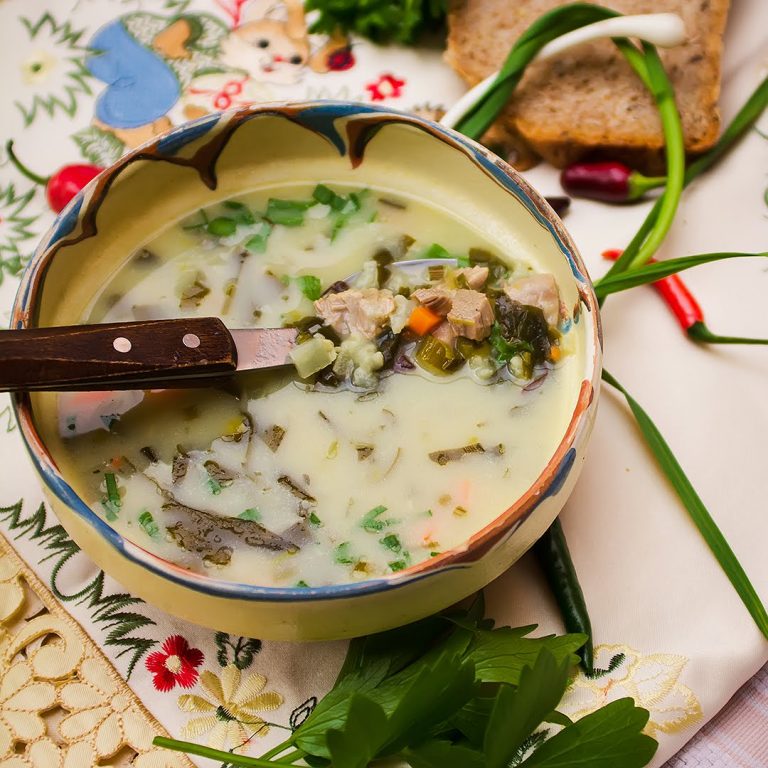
point(423, 400)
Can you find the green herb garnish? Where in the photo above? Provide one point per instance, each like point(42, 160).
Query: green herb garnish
point(257, 243)
point(112, 502)
point(241, 212)
point(310, 286)
point(315, 520)
point(214, 486)
point(452, 691)
point(301, 583)
point(342, 554)
point(391, 541)
point(371, 522)
point(289, 213)
point(221, 226)
point(436, 251)
point(252, 513)
point(147, 522)
point(383, 21)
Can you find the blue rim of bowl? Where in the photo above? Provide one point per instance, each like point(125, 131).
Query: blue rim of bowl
point(319, 117)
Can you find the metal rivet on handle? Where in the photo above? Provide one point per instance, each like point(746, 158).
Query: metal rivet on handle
point(191, 340)
point(121, 344)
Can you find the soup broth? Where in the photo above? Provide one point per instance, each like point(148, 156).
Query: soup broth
point(424, 400)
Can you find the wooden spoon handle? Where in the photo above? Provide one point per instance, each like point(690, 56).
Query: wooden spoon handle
point(171, 353)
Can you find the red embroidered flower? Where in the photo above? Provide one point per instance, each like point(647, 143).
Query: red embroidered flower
point(175, 664)
point(386, 87)
point(341, 59)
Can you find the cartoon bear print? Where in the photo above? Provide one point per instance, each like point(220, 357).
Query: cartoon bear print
point(195, 63)
point(270, 47)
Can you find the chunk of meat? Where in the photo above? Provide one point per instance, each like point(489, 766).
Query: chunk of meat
point(537, 291)
point(437, 299)
point(446, 333)
point(471, 315)
point(474, 277)
point(363, 312)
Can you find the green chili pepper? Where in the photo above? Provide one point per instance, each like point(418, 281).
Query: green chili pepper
point(552, 553)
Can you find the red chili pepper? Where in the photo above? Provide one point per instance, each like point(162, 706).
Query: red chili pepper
point(686, 309)
point(61, 186)
point(610, 182)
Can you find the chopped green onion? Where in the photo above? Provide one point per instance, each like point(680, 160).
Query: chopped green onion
point(257, 243)
point(222, 226)
point(242, 213)
point(391, 541)
point(113, 501)
point(303, 584)
point(147, 522)
point(371, 523)
point(436, 251)
point(289, 213)
point(252, 513)
point(315, 520)
point(342, 554)
point(463, 260)
point(327, 196)
point(310, 286)
point(214, 486)
point(398, 565)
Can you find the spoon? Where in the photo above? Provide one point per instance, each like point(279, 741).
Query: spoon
point(184, 352)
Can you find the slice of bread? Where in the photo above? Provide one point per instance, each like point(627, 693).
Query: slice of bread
point(588, 100)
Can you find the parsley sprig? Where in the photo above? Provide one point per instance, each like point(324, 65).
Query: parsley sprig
point(453, 691)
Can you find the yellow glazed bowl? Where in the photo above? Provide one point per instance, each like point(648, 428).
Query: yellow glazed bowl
point(230, 153)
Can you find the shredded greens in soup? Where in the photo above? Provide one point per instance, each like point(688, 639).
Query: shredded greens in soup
point(423, 399)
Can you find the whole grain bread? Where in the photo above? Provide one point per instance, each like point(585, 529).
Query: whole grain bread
point(588, 100)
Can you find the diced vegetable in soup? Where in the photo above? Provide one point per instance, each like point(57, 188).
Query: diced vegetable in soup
point(424, 399)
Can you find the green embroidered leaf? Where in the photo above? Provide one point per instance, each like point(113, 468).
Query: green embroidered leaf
point(610, 737)
point(98, 146)
point(238, 651)
point(56, 46)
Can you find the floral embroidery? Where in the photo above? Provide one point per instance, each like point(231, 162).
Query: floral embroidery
point(21, 699)
point(47, 754)
point(50, 667)
point(231, 710)
point(51, 72)
point(386, 87)
point(175, 664)
point(243, 649)
point(652, 680)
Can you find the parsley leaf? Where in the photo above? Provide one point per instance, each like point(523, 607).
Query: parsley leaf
point(517, 712)
point(443, 753)
point(606, 738)
point(310, 286)
point(359, 741)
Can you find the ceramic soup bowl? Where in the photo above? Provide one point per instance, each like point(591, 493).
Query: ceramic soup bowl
point(230, 153)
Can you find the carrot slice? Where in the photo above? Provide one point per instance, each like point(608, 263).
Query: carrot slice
point(423, 320)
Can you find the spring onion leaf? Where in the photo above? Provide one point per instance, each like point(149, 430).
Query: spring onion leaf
point(221, 226)
point(696, 509)
point(435, 251)
point(252, 513)
point(342, 554)
point(112, 502)
point(370, 521)
point(650, 273)
point(257, 243)
point(147, 522)
point(310, 286)
point(391, 541)
point(289, 213)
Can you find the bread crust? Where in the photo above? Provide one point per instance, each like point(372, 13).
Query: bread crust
point(588, 100)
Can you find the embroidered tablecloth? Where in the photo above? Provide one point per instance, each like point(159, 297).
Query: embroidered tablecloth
point(90, 673)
